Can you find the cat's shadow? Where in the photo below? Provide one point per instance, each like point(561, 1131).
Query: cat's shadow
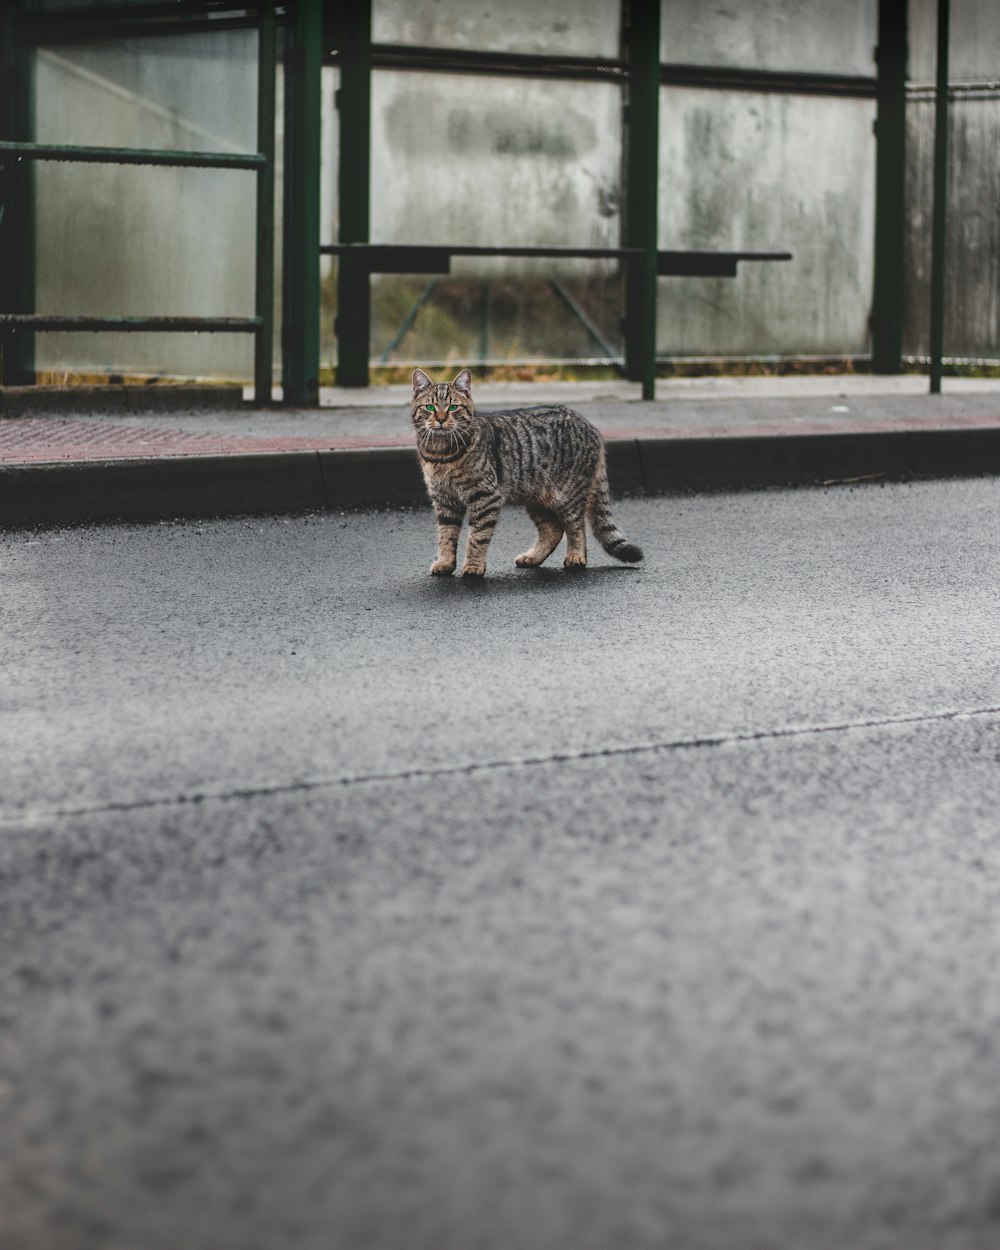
point(525, 582)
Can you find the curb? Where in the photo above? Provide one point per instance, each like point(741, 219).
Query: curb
point(270, 483)
point(20, 401)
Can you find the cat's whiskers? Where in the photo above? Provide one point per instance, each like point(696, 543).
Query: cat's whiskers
point(427, 437)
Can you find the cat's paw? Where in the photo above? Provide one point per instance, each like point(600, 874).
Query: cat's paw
point(526, 561)
point(473, 570)
point(443, 568)
point(574, 561)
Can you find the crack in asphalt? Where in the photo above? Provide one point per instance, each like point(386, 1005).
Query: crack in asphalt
point(306, 785)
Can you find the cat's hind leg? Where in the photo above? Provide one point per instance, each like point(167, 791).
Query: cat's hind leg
point(550, 531)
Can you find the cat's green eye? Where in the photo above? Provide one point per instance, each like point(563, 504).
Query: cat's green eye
point(429, 408)
point(453, 407)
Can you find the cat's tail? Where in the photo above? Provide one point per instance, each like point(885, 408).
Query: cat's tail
point(606, 532)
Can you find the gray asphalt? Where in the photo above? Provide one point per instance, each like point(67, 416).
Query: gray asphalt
point(346, 908)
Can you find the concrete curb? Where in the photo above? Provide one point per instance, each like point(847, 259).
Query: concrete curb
point(39, 495)
point(54, 401)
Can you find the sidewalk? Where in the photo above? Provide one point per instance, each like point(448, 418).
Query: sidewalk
point(206, 457)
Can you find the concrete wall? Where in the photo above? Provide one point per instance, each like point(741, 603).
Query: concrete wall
point(972, 276)
point(580, 28)
point(768, 172)
point(806, 35)
point(504, 161)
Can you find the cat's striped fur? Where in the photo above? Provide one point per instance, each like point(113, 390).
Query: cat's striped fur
point(550, 459)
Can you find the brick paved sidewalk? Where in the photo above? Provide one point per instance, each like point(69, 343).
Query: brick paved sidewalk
point(56, 440)
point(71, 439)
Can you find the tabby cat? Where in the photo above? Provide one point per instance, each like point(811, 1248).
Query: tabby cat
point(550, 459)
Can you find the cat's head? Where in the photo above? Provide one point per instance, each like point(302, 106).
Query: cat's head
point(442, 411)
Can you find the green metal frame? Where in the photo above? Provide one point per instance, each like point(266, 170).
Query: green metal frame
point(132, 156)
point(642, 151)
point(354, 103)
point(264, 274)
point(890, 187)
point(301, 194)
point(17, 195)
point(18, 325)
point(939, 230)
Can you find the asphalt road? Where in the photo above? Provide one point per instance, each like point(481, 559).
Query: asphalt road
point(344, 908)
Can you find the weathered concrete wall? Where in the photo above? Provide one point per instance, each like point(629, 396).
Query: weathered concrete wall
point(975, 41)
point(583, 28)
point(806, 35)
point(742, 170)
point(495, 161)
point(972, 275)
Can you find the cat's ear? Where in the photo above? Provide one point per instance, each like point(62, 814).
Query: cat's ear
point(420, 381)
point(463, 383)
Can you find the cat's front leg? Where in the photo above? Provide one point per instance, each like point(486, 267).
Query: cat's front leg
point(448, 514)
point(484, 509)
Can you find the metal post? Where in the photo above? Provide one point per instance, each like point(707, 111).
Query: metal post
point(17, 201)
point(353, 326)
point(890, 187)
point(264, 294)
point(300, 252)
point(642, 42)
point(939, 231)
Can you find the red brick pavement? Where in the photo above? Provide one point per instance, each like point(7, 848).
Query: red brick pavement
point(39, 440)
point(35, 440)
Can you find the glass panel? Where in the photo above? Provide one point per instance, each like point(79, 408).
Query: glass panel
point(495, 161)
point(974, 41)
point(768, 172)
point(584, 28)
point(972, 273)
point(808, 35)
point(181, 91)
point(120, 240)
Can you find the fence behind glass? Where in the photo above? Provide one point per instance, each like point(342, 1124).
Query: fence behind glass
point(120, 240)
